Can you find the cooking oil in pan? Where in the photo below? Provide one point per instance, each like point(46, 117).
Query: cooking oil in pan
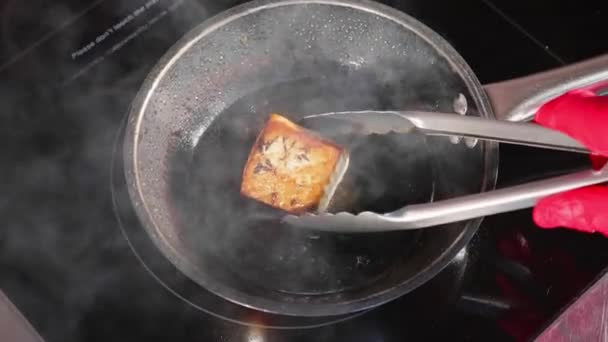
point(246, 240)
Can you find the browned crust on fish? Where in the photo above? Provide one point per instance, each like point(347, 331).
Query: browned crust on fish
point(289, 166)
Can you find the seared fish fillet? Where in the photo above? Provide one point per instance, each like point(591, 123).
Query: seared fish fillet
point(292, 168)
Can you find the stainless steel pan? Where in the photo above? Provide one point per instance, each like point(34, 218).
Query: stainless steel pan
point(195, 118)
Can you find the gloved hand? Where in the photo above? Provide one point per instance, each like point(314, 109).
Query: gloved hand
point(583, 116)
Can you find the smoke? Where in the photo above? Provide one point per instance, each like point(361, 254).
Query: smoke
point(65, 262)
point(229, 82)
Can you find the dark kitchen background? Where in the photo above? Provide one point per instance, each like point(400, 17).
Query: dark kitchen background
point(68, 71)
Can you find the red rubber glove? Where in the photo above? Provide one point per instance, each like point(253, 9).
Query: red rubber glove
point(583, 116)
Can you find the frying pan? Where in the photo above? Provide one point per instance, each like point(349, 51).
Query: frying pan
point(197, 114)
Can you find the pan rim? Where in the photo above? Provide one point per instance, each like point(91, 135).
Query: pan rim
point(148, 88)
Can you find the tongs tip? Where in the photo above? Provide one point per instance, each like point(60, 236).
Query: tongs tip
point(334, 222)
point(359, 122)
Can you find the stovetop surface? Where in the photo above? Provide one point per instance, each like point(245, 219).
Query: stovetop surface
point(66, 87)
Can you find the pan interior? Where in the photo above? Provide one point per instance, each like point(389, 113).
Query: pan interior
point(247, 237)
point(206, 109)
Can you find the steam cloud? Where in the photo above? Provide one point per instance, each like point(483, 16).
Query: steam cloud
point(62, 253)
point(64, 260)
point(384, 71)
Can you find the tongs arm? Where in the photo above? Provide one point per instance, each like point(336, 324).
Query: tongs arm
point(529, 134)
point(494, 202)
point(452, 210)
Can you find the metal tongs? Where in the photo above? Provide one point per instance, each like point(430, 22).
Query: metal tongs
point(456, 209)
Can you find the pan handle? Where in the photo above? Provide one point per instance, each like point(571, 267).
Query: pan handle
point(519, 99)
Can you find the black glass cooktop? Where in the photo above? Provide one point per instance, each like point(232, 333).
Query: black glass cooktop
point(68, 72)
